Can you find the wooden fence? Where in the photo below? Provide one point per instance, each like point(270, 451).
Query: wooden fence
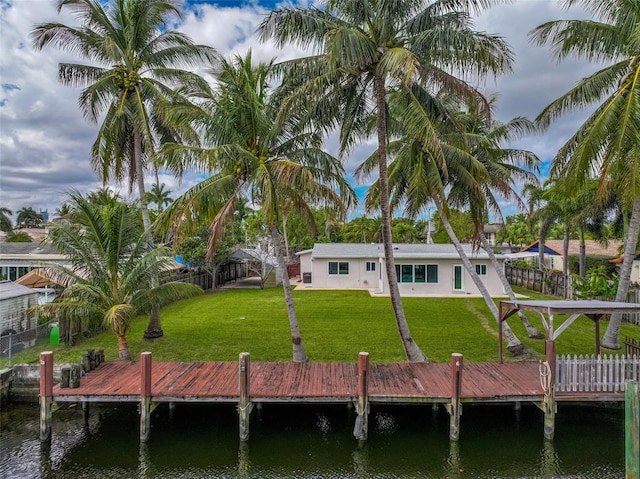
point(595, 374)
point(547, 282)
point(631, 347)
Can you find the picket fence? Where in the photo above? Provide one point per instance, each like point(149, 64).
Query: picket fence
point(595, 373)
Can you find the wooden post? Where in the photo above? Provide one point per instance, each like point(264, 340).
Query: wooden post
point(550, 394)
point(361, 427)
point(46, 394)
point(455, 408)
point(74, 376)
point(86, 363)
point(632, 430)
point(145, 396)
point(65, 375)
point(244, 404)
point(597, 320)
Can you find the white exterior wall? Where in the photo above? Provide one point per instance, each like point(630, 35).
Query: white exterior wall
point(358, 277)
point(445, 285)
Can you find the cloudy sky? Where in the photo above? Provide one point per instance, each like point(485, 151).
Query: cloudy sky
point(45, 141)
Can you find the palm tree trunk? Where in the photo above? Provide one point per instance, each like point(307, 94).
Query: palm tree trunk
point(411, 349)
point(154, 328)
point(532, 332)
point(513, 343)
point(565, 262)
point(123, 348)
point(611, 339)
point(298, 349)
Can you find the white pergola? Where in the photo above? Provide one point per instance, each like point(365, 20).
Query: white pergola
point(592, 309)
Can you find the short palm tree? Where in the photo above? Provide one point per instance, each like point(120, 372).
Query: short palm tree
point(159, 196)
point(608, 142)
point(112, 263)
point(134, 75)
point(254, 151)
point(366, 46)
point(28, 218)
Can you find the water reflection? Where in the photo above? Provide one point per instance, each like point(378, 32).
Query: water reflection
point(311, 442)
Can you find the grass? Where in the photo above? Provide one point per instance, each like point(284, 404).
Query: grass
point(335, 326)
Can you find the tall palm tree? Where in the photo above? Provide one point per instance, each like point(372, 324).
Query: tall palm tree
point(365, 47)
point(133, 76)
point(112, 263)
point(506, 169)
point(608, 142)
point(5, 220)
point(418, 179)
point(254, 151)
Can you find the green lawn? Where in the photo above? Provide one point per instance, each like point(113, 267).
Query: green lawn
point(335, 326)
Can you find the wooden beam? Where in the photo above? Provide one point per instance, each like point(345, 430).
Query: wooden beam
point(455, 407)
point(145, 396)
point(46, 394)
point(361, 427)
point(244, 402)
point(632, 430)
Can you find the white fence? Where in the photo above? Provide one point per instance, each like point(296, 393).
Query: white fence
point(595, 374)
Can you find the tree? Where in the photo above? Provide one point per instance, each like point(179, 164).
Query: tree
point(608, 141)
point(112, 263)
point(366, 46)
point(271, 159)
point(132, 80)
point(28, 218)
point(18, 237)
point(5, 220)
point(159, 196)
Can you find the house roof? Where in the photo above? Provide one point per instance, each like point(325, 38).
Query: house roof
point(9, 289)
point(620, 259)
point(32, 251)
point(592, 247)
point(401, 250)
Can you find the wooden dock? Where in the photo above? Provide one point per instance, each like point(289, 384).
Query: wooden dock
point(361, 384)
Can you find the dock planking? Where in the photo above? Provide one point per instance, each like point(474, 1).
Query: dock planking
point(313, 382)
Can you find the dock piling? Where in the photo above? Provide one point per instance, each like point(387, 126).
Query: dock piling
point(361, 427)
point(145, 396)
point(455, 408)
point(632, 430)
point(46, 394)
point(244, 402)
point(549, 401)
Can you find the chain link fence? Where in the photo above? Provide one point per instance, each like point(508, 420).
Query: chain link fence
point(13, 341)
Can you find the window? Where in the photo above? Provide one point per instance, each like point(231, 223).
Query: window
point(481, 269)
point(371, 266)
point(432, 273)
point(338, 267)
point(417, 273)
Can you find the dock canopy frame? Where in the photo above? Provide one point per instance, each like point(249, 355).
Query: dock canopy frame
point(592, 309)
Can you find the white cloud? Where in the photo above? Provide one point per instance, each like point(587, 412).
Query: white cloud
point(45, 141)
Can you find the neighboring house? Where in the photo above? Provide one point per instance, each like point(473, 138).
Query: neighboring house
point(259, 261)
point(635, 269)
point(17, 259)
point(16, 315)
point(490, 232)
point(553, 257)
point(421, 269)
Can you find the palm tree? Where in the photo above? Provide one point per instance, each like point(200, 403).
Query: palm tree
point(112, 263)
point(255, 152)
point(365, 47)
point(5, 220)
point(133, 79)
point(28, 218)
point(159, 196)
point(506, 168)
point(608, 140)
point(417, 179)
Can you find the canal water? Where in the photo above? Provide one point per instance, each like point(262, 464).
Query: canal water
point(295, 441)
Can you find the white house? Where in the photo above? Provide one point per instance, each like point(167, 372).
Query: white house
point(421, 269)
point(17, 259)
